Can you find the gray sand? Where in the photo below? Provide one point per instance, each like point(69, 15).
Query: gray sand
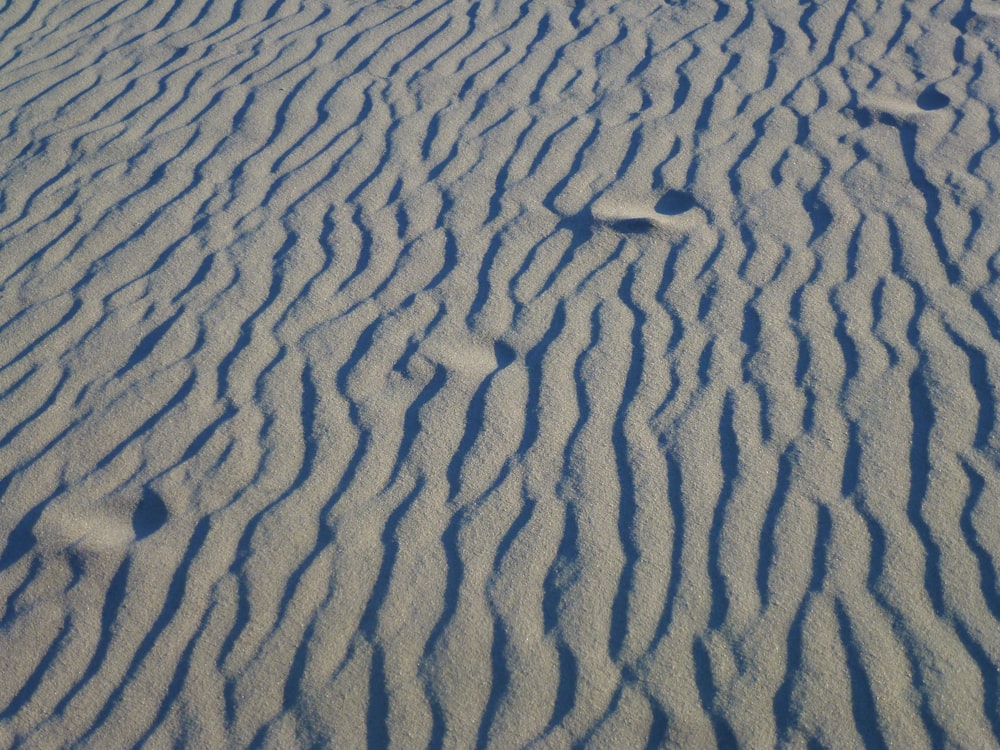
point(484, 374)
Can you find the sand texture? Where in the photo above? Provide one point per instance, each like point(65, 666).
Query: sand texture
point(499, 374)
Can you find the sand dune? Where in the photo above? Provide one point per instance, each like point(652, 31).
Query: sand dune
point(483, 374)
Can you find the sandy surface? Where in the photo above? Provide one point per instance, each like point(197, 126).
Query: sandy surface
point(484, 374)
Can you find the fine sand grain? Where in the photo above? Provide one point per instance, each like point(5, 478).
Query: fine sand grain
point(496, 374)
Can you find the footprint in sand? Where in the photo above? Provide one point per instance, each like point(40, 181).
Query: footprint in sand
point(150, 515)
point(673, 203)
point(932, 99)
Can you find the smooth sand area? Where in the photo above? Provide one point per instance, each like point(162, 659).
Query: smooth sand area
point(499, 374)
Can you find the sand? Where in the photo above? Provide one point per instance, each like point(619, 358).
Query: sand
point(494, 374)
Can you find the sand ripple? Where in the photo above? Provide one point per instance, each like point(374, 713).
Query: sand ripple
point(463, 374)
